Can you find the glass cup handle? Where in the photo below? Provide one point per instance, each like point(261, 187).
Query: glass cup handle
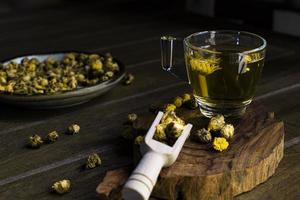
point(167, 48)
point(171, 48)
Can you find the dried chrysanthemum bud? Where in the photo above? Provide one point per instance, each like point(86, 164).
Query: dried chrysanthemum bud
point(3, 80)
point(62, 187)
point(110, 64)
point(96, 65)
point(170, 107)
point(94, 56)
point(174, 130)
point(202, 135)
point(170, 117)
point(139, 140)
point(177, 101)
point(186, 97)
point(216, 123)
point(35, 141)
point(227, 131)
point(220, 144)
point(132, 117)
point(192, 103)
point(104, 78)
point(73, 129)
point(160, 134)
point(128, 79)
point(93, 161)
point(52, 136)
point(109, 74)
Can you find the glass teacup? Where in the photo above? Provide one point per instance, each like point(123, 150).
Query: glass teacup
point(223, 68)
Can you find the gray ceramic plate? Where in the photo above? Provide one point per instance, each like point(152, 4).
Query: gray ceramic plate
point(61, 100)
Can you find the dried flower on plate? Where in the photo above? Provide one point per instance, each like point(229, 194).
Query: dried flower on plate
point(35, 141)
point(202, 135)
point(216, 123)
point(73, 129)
point(62, 187)
point(93, 161)
point(52, 136)
point(220, 144)
point(227, 131)
point(50, 76)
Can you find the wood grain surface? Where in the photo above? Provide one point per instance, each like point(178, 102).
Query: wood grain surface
point(130, 33)
point(202, 173)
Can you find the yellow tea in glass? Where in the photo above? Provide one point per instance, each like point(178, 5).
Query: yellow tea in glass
point(223, 68)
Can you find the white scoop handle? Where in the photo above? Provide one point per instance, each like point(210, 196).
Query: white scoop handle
point(140, 184)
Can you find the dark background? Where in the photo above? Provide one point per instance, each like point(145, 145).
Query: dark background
point(130, 30)
point(279, 15)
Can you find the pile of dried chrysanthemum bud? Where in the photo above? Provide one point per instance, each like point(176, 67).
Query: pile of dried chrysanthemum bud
point(31, 76)
point(169, 129)
point(222, 132)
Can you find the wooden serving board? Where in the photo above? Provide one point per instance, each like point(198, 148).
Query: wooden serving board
point(202, 173)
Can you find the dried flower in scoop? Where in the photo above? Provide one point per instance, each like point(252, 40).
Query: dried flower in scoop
point(93, 161)
point(160, 134)
point(132, 117)
point(35, 141)
point(202, 135)
point(62, 187)
point(169, 128)
point(139, 140)
point(170, 107)
point(220, 144)
point(174, 130)
point(73, 129)
point(170, 117)
point(128, 79)
point(227, 131)
point(216, 123)
point(177, 101)
point(52, 136)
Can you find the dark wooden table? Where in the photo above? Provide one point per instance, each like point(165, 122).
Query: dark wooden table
point(132, 35)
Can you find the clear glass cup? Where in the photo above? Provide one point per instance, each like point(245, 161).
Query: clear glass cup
point(223, 68)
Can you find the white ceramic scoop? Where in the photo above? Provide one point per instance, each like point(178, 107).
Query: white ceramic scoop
point(156, 156)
